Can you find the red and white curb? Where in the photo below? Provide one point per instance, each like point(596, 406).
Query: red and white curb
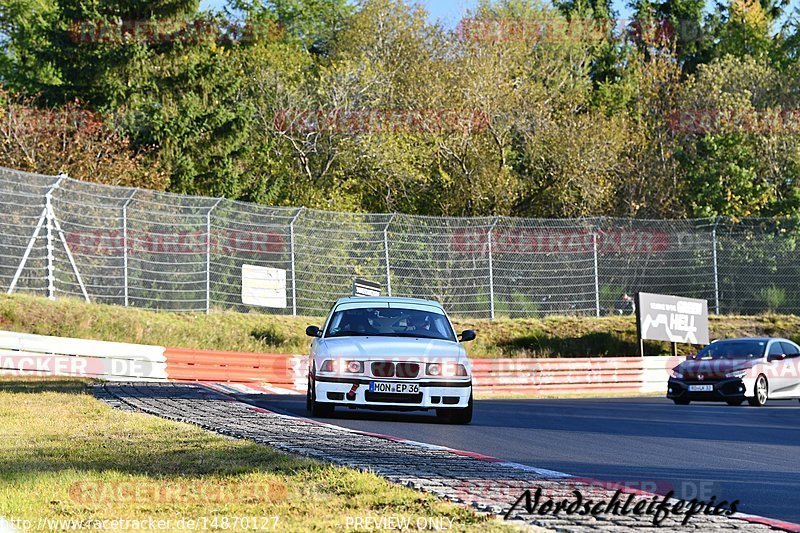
point(241, 388)
point(771, 522)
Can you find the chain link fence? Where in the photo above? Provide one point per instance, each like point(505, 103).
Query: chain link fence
point(163, 251)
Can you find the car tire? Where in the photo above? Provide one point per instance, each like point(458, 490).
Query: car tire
point(322, 410)
point(734, 403)
point(761, 392)
point(317, 409)
point(309, 397)
point(682, 402)
point(456, 416)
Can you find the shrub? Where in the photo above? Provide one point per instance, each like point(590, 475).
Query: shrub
point(774, 297)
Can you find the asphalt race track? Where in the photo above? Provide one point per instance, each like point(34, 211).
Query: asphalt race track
point(700, 450)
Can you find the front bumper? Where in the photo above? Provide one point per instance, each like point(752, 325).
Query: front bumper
point(723, 390)
point(433, 394)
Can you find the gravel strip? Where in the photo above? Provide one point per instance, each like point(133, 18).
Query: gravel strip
point(488, 487)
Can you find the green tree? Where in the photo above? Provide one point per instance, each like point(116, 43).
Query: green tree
point(23, 25)
point(739, 146)
point(652, 184)
point(746, 32)
point(673, 24)
point(71, 140)
point(312, 23)
point(553, 152)
point(82, 49)
point(595, 9)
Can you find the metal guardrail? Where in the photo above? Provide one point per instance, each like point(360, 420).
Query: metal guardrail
point(22, 353)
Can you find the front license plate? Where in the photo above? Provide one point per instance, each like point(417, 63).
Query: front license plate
point(394, 388)
point(701, 388)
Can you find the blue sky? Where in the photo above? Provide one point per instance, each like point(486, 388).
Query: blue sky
point(448, 11)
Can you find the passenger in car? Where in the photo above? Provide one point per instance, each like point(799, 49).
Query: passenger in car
point(356, 320)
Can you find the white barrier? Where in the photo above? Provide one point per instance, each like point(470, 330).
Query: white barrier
point(655, 373)
point(23, 353)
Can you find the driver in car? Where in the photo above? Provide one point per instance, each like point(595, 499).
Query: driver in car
point(418, 323)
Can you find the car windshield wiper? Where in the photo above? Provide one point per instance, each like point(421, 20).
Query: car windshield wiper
point(409, 335)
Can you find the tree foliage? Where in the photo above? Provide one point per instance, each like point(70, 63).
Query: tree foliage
point(73, 141)
point(526, 108)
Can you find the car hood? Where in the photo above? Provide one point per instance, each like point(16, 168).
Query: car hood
point(393, 348)
point(714, 368)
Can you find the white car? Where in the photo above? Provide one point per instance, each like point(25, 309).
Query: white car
point(735, 370)
point(391, 354)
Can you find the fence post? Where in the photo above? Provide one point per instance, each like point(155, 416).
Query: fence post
point(51, 274)
point(596, 276)
point(491, 268)
point(291, 256)
point(716, 266)
point(386, 254)
point(125, 242)
point(51, 268)
point(27, 253)
point(70, 257)
point(208, 254)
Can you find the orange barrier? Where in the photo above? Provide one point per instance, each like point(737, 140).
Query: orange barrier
point(528, 377)
point(237, 367)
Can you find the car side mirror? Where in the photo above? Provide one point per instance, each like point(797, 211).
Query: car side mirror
point(313, 331)
point(776, 357)
point(468, 335)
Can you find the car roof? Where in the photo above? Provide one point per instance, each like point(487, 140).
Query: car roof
point(754, 339)
point(367, 300)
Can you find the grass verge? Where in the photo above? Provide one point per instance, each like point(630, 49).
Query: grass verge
point(254, 332)
point(67, 456)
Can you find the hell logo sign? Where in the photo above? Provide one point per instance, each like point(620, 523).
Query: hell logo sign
point(672, 318)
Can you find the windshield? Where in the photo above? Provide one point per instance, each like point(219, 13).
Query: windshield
point(390, 322)
point(733, 350)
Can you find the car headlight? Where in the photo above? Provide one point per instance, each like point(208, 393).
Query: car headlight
point(676, 375)
point(351, 367)
point(737, 374)
point(446, 369)
point(342, 367)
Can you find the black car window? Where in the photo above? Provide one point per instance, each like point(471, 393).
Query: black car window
point(775, 349)
point(390, 322)
point(790, 349)
point(734, 349)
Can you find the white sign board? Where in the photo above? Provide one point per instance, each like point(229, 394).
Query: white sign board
point(363, 287)
point(672, 318)
point(263, 286)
